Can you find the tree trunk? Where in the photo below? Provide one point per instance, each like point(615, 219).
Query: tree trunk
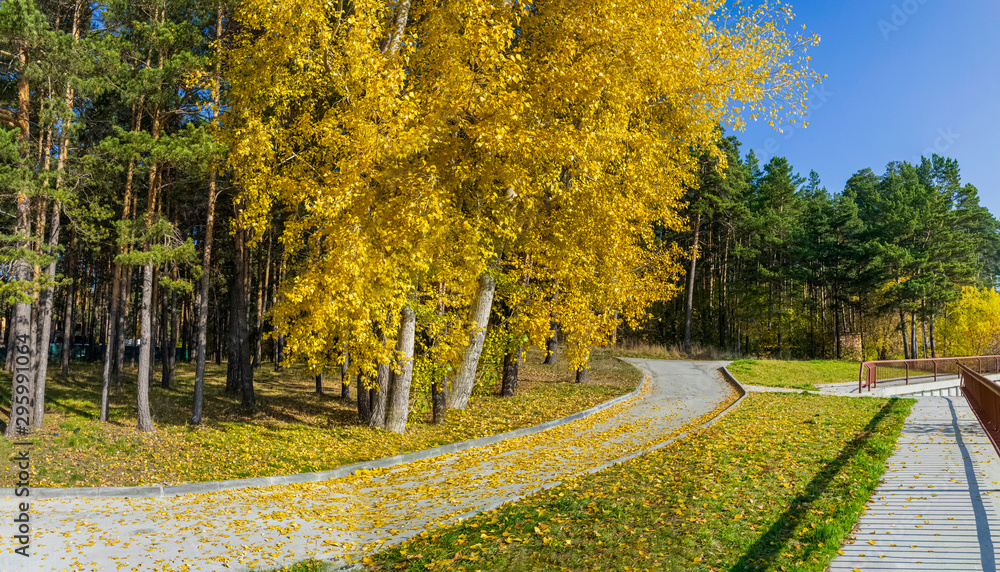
point(68, 325)
point(465, 378)
point(552, 346)
point(583, 374)
point(240, 376)
point(439, 400)
point(45, 306)
point(933, 344)
point(690, 296)
point(511, 360)
point(399, 390)
point(20, 413)
point(378, 397)
point(319, 383)
point(171, 323)
point(902, 328)
point(364, 411)
point(145, 349)
point(206, 260)
point(109, 348)
point(345, 379)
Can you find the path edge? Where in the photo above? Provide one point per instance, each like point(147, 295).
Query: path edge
point(155, 491)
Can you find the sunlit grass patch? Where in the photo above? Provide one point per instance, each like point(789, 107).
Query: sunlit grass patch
point(776, 485)
point(292, 429)
point(806, 375)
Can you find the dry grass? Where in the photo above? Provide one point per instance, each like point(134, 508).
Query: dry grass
point(646, 350)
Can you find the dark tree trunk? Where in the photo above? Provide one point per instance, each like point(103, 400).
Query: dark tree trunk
point(552, 346)
point(902, 327)
point(319, 383)
point(68, 329)
point(240, 374)
point(439, 400)
point(171, 322)
point(690, 293)
point(201, 340)
point(364, 411)
point(583, 374)
point(508, 385)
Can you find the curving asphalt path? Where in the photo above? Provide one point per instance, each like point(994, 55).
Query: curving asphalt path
point(267, 527)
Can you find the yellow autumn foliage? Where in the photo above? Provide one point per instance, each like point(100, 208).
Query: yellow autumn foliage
point(418, 144)
point(972, 325)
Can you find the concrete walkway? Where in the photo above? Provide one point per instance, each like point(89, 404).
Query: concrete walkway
point(272, 526)
point(937, 506)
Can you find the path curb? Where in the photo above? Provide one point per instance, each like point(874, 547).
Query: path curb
point(339, 472)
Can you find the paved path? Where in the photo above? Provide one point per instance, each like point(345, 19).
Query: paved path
point(272, 526)
point(938, 500)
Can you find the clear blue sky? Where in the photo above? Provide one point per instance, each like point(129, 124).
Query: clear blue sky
point(906, 78)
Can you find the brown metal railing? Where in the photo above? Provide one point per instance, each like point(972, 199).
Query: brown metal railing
point(874, 372)
point(985, 393)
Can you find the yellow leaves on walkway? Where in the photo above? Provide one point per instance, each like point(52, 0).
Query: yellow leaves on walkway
point(775, 485)
point(547, 141)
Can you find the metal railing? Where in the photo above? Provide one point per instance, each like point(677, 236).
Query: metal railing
point(984, 393)
point(929, 369)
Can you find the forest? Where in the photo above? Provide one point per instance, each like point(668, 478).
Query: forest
point(409, 195)
point(786, 268)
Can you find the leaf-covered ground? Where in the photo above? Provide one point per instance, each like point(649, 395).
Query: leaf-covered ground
point(293, 430)
point(776, 485)
point(805, 375)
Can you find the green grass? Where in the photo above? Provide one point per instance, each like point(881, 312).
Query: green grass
point(292, 429)
point(805, 375)
point(776, 485)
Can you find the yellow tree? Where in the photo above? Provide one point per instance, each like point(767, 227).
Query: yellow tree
point(423, 148)
point(972, 327)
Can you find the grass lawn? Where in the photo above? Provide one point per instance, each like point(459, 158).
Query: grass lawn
point(292, 430)
point(805, 375)
point(776, 485)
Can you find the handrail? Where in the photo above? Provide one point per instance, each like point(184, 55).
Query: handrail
point(869, 375)
point(984, 393)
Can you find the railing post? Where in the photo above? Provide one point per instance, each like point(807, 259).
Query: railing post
point(935, 371)
point(906, 364)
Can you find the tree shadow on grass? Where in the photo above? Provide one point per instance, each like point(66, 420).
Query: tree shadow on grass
point(762, 554)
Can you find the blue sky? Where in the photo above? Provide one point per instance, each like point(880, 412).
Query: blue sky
point(906, 78)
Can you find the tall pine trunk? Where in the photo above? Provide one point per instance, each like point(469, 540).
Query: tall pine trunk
point(145, 351)
point(206, 261)
point(240, 373)
point(45, 304)
point(20, 413)
point(68, 325)
point(690, 294)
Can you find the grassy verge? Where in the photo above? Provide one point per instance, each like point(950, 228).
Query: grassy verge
point(776, 485)
point(292, 430)
point(805, 375)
